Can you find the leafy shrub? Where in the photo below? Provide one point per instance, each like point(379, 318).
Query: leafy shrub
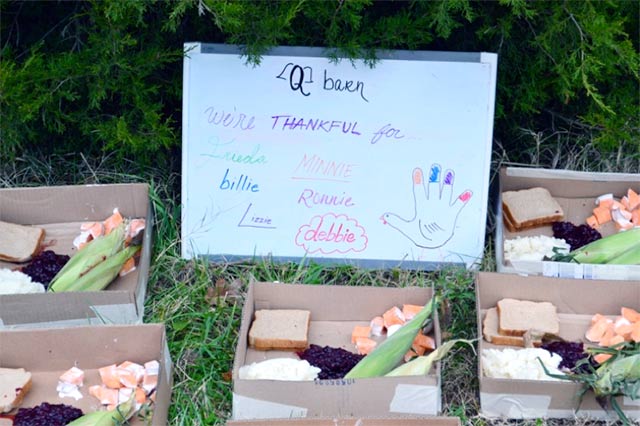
point(106, 76)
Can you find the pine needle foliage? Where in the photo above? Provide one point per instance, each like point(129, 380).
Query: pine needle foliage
point(105, 76)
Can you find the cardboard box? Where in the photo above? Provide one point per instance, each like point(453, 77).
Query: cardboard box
point(335, 310)
point(576, 192)
point(47, 353)
point(576, 301)
point(434, 421)
point(60, 210)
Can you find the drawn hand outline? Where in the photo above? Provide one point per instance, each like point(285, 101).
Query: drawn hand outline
point(434, 213)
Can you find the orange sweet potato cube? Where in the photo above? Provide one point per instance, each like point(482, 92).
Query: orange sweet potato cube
point(360, 331)
point(592, 222)
point(602, 214)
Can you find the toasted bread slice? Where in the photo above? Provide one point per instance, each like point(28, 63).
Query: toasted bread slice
point(530, 208)
point(516, 317)
point(18, 243)
point(491, 335)
point(280, 329)
point(14, 385)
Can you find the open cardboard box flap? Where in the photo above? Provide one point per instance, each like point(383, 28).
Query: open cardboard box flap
point(576, 302)
point(47, 353)
point(576, 193)
point(60, 210)
point(334, 312)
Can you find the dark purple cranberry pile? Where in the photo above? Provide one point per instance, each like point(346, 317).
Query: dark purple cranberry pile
point(334, 363)
point(45, 266)
point(570, 352)
point(575, 236)
point(47, 414)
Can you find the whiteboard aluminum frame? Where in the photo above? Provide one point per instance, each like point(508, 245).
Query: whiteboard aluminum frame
point(317, 52)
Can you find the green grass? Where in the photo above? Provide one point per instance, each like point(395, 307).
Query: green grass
point(202, 321)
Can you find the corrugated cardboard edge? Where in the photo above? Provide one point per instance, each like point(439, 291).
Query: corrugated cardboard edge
point(49, 341)
point(121, 313)
point(416, 400)
point(526, 406)
point(514, 406)
point(165, 383)
point(145, 261)
point(408, 399)
point(124, 313)
point(521, 406)
point(245, 408)
point(538, 173)
point(558, 269)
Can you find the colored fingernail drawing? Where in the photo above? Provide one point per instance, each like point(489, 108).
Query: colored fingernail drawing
point(434, 176)
point(435, 214)
point(448, 177)
point(417, 176)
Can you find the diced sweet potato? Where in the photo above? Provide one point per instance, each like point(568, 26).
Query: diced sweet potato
point(360, 331)
point(602, 214)
point(630, 314)
point(615, 340)
point(634, 199)
point(393, 316)
point(635, 333)
point(420, 350)
point(600, 358)
point(410, 311)
point(109, 376)
point(410, 355)
point(592, 222)
point(377, 326)
point(606, 202)
point(365, 345)
point(598, 329)
point(426, 342)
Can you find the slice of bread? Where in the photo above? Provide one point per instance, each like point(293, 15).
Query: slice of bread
point(280, 329)
point(18, 243)
point(529, 208)
point(14, 385)
point(516, 317)
point(491, 335)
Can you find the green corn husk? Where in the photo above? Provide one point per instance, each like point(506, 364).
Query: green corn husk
point(386, 356)
point(608, 248)
point(421, 365)
point(618, 376)
point(101, 275)
point(621, 370)
point(88, 257)
point(629, 257)
point(116, 417)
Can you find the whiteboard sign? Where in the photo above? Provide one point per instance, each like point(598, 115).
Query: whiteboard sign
point(302, 158)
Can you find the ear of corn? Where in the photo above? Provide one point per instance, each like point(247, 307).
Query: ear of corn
point(616, 372)
point(94, 266)
point(386, 356)
point(629, 257)
point(608, 248)
point(95, 252)
point(116, 417)
point(421, 365)
point(101, 275)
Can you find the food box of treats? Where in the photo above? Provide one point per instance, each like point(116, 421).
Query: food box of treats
point(85, 370)
point(434, 421)
point(339, 324)
point(542, 213)
point(43, 228)
point(527, 322)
